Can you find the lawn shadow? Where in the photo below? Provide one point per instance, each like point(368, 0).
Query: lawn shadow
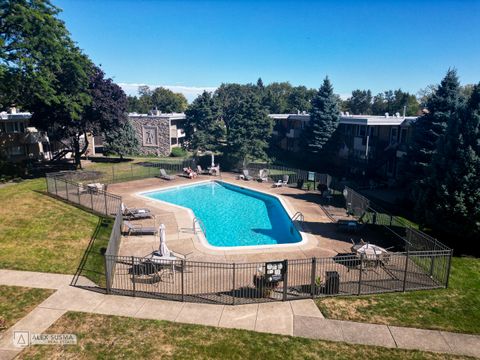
point(92, 265)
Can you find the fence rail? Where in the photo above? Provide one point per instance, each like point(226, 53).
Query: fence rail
point(295, 176)
point(96, 200)
point(371, 213)
point(241, 283)
point(425, 263)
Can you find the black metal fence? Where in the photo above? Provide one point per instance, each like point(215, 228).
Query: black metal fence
point(94, 199)
point(112, 249)
point(370, 213)
point(115, 173)
point(425, 263)
point(295, 176)
point(241, 283)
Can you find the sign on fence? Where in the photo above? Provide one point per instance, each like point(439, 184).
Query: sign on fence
point(311, 176)
point(275, 270)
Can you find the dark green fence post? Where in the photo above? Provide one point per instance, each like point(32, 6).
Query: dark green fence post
point(78, 193)
point(359, 292)
point(133, 274)
point(66, 189)
point(183, 280)
point(405, 274)
point(106, 207)
point(233, 285)
point(449, 267)
point(107, 275)
point(313, 275)
point(113, 174)
point(56, 191)
point(285, 279)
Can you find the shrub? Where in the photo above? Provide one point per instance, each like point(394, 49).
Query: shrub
point(178, 152)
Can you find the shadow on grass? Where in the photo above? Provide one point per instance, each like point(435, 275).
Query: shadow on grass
point(92, 264)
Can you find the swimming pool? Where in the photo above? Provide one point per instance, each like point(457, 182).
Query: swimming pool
point(233, 216)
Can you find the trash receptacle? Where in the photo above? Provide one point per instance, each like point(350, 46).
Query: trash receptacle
point(332, 283)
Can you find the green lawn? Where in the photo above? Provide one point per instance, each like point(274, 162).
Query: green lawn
point(16, 302)
point(111, 337)
point(39, 233)
point(454, 309)
point(94, 265)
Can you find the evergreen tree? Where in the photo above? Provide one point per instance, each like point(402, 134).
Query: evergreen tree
point(324, 118)
point(249, 130)
point(441, 106)
point(360, 102)
point(450, 198)
point(203, 129)
point(121, 140)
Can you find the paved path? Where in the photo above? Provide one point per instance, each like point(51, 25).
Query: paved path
point(297, 318)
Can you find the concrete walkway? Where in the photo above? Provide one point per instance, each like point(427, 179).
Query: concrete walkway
point(297, 318)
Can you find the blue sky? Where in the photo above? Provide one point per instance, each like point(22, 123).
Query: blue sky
point(191, 45)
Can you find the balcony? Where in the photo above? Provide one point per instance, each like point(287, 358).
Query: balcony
point(177, 133)
point(293, 133)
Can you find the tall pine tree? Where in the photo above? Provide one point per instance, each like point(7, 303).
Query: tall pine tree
point(444, 102)
point(450, 197)
point(324, 118)
point(204, 130)
point(122, 140)
point(249, 130)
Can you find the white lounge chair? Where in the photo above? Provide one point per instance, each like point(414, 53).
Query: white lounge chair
point(263, 175)
point(283, 182)
point(246, 175)
point(279, 183)
point(215, 170)
point(136, 213)
point(200, 171)
point(165, 176)
point(138, 229)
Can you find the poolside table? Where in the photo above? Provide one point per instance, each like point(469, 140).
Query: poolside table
point(95, 187)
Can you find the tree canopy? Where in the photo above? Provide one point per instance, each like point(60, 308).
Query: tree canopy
point(449, 198)
point(324, 119)
point(160, 98)
point(203, 127)
point(44, 72)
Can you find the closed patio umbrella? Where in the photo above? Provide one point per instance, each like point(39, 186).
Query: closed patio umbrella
point(164, 251)
point(371, 251)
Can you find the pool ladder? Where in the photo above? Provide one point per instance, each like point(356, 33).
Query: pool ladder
point(298, 216)
point(200, 223)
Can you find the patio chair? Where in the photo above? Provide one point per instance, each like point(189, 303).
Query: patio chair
point(283, 182)
point(279, 183)
point(246, 175)
point(138, 229)
point(200, 171)
point(165, 176)
point(263, 175)
point(136, 213)
point(215, 170)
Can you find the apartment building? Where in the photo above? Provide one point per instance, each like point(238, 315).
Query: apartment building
point(19, 140)
point(374, 143)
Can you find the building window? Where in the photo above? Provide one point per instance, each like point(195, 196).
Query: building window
point(361, 130)
point(403, 135)
point(17, 150)
point(393, 135)
point(14, 127)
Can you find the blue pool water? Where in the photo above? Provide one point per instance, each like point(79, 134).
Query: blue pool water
point(234, 216)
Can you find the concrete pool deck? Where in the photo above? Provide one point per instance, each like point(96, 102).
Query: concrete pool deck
point(322, 239)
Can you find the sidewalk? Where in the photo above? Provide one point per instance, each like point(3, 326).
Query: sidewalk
point(297, 318)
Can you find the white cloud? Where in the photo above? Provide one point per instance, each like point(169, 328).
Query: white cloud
point(190, 92)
